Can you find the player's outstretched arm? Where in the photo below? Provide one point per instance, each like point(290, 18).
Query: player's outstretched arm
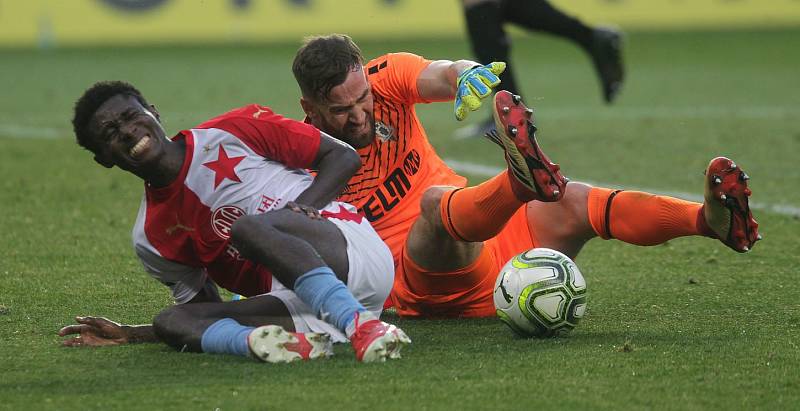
point(100, 331)
point(463, 81)
point(335, 163)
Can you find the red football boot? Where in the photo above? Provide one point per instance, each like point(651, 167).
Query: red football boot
point(533, 176)
point(271, 343)
point(375, 340)
point(726, 208)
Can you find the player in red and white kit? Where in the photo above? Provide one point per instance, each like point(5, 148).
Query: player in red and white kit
point(228, 203)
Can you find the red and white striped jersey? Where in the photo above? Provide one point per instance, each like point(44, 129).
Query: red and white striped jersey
point(247, 161)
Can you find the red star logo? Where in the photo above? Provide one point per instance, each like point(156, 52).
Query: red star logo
point(224, 166)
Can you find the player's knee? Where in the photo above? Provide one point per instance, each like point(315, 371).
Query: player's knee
point(241, 230)
point(250, 229)
point(165, 327)
point(575, 205)
point(281, 221)
point(429, 205)
point(577, 197)
point(161, 322)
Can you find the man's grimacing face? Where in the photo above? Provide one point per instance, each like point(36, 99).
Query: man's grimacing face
point(347, 112)
point(127, 134)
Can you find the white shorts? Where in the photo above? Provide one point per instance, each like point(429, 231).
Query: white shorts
point(370, 278)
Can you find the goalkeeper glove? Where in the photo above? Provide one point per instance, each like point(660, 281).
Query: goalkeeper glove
point(474, 84)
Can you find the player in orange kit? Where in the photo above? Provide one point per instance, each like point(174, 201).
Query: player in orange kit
point(449, 242)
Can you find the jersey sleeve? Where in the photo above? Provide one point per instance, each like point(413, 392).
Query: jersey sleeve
point(289, 142)
point(395, 76)
point(185, 282)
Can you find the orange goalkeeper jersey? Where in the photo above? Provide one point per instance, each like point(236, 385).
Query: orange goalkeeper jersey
point(400, 164)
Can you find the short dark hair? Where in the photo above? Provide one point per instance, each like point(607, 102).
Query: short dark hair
point(91, 100)
point(323, 63)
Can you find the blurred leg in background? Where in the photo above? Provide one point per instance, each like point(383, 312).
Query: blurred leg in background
point(485, 21)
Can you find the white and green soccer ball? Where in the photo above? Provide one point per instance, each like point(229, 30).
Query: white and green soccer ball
point(540, 293)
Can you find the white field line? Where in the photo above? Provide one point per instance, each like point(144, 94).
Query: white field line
point(488, 171)
point(671, 113)
point(23, 131)
point(9, 129)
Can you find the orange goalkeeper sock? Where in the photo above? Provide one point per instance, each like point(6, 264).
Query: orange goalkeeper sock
point(478, 213)
point(642, 218)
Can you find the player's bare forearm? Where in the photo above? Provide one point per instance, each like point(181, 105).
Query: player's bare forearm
point(438, 81)
point(336, 163)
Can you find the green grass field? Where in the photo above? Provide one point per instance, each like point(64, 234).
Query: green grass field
point(686, 325)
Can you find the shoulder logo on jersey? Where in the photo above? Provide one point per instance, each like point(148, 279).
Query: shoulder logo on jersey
point(396, 185)
point(224, 166)
point(223, 218)
point(383, 131)
point(376, 68)
point(259, 112)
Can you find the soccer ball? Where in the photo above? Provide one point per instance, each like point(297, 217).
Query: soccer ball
point(540, 293)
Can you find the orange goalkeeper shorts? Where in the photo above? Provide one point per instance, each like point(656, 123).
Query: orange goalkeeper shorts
point(466, 292)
